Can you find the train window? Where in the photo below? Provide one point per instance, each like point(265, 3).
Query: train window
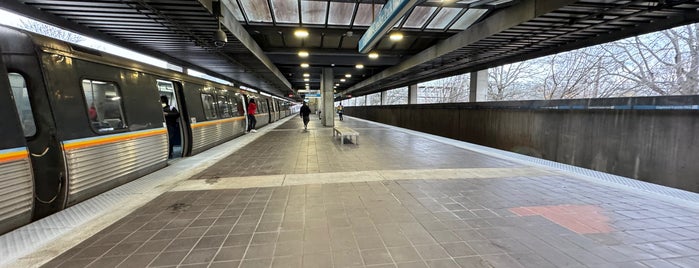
point(103, 104)
point(209, 106)
point(233, 106)
point(167, 89)
point(223, 106)
point(24, 107)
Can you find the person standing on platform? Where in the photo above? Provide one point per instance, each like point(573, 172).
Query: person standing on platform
point(173, 127)
point(252, 108)
point(305, 114)
point(339, 111)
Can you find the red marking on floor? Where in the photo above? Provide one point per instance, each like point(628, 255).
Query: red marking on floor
point(582, 219)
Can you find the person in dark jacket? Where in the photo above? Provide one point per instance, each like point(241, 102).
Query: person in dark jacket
point(171, 120)
point(306, 115)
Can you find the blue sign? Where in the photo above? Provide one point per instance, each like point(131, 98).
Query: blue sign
point(391, 12)
point(313, 95)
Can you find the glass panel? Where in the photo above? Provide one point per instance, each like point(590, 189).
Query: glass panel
point(468, 18)
point(341, 13)
point(209, 106)
point(364, 17)
point(167, 89)
point(286, 11)
point(419, 17)
point(236, 12)
point(232, 107)
point(313, 12)
point(103, 105)
point(223, 107)
point(257, 10)
point(445, 16)
point(24, 108)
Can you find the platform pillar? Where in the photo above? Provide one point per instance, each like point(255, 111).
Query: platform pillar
point(479, 86)
point(412, 94)
point(327, 97)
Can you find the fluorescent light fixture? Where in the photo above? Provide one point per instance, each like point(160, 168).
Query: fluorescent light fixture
point(304, 65)
point(265, 94)
point(306, 80)
point(359, 66)
point(301, 33)
point(337, 84)
point(373, 55)
point(248, 89)
point(306, 75)
point(303, 54)
point(342, 80)
point(396, 36)
point(348, 75)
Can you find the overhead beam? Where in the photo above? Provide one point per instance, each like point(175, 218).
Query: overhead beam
point(507, 18)
point(246, 40)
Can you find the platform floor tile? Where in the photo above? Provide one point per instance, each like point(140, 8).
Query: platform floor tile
point(533, 221)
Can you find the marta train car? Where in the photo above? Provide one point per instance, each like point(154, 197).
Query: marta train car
point(77, 122)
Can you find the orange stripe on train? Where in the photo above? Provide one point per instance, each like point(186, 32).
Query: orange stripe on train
point(216, 122)
point(111, 139)
point(13, 156)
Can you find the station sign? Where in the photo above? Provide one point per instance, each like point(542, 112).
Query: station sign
point(309, 91)
point(316, 95)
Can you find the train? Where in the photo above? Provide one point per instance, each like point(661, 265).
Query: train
point(77, 122)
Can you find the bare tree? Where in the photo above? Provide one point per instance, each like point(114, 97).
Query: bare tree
point(662, 63)
point(513, 81)
point(445, 90)
point(397, 96)
point(50, 31)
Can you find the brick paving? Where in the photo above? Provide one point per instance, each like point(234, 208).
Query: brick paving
point(509, 221)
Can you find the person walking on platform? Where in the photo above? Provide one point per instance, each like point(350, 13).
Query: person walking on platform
point(339, 111)
point(173, 127)
point(252, 108)
point(305, 114)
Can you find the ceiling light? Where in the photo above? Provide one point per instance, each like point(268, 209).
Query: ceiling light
point(306, 79)
point(337, 84)
point(359, 66)
point(306, 75)
point(396, 36)
point(342, 80)
point(348, 75)
point(306, 84)
point(303, 53)
point(301, 33)
point(304, 65)
point(373, 55)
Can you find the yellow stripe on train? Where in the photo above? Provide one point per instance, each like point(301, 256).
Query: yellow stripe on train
point(72, 145)
point(13, 156)
point(216, 122)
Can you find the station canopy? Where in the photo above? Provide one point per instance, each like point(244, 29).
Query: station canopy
point(439, 38)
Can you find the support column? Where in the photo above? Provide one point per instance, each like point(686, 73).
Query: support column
point(412, 94)
point(327, 97)
point(479, 86)
point(383, 98)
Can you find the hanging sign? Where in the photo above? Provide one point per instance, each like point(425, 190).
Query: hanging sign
point(391, 12)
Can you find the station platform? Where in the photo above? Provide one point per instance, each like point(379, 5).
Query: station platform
point(285, 197)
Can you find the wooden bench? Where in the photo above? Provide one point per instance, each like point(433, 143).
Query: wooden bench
point(345, 131)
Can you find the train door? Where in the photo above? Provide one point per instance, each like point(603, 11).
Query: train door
point(40, 131)
point(181, 137)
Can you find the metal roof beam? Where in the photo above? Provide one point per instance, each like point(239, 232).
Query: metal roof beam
point(505, 19)
point(246, 40)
